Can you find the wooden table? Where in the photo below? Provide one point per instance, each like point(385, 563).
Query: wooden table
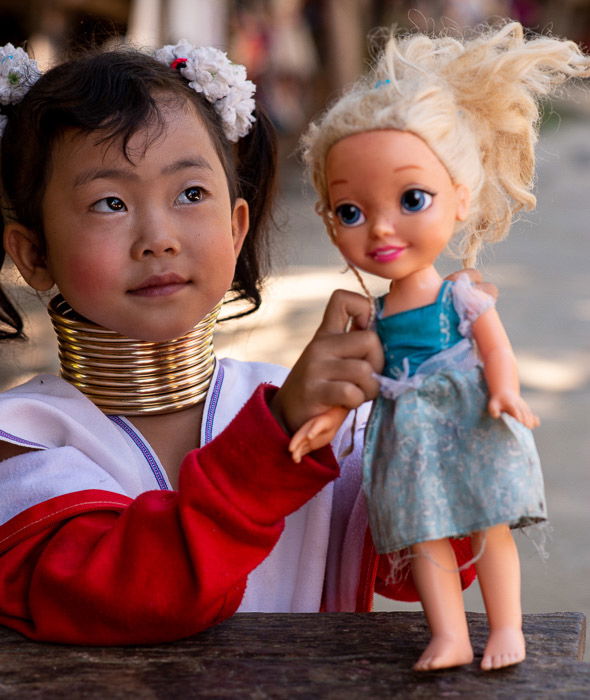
point(341, 655)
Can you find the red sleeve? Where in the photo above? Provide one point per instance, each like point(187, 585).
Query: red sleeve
point(97, 568)
point(402, 586)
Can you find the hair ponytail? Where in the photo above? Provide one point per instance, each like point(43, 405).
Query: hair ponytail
point(11, 323)
point(256, 164)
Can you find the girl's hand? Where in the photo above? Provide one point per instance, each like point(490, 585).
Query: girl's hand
point(336, 368)
point(512, 403)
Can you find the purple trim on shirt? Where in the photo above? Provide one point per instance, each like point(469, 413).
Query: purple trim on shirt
point(215, 392)
point(20, 441)
point(145, 451)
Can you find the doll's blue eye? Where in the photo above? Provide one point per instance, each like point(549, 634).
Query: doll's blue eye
point(416, 200)
point(350, 215)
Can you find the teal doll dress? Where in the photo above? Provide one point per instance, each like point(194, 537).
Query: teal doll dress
point(435, 463)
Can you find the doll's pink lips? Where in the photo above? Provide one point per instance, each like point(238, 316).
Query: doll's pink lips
point(387, 253)
point(159, 285)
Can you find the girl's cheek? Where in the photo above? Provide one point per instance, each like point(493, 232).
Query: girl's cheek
point(87, 273)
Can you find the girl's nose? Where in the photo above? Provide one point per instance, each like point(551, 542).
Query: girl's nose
point(155, 240)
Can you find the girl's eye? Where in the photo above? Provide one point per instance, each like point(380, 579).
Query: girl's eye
point(416, 200)
point(190, 195)
point(350, 215)
point(109, 204)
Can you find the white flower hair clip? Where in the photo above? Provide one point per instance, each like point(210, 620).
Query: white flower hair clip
point(18, 73)
point(223, 83)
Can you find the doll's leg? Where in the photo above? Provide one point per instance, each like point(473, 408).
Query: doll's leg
point(438, 583)
point(498, 570)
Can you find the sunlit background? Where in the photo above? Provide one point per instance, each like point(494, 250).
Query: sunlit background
point(301, 54)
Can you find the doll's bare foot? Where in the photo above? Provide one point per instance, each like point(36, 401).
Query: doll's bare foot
point(505, 647)
point(445, 652)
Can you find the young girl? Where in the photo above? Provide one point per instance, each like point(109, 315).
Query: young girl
point(439, 138)
point(150, 492)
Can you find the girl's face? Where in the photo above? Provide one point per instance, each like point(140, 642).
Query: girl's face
point(145, 248)
point(395, 206)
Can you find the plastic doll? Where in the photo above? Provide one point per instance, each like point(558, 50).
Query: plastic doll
point(437, 144)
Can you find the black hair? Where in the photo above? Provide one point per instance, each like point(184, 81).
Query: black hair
point(10, 319)
point(119, 92)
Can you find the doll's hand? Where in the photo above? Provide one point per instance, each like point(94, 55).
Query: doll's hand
point(336, 368)
point(512, 403)
point(475, 277)
point(317, 432)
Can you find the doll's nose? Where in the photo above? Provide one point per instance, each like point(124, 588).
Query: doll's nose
point(382, 226)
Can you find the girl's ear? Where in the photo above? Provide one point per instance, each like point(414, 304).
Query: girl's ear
point(22, 245)
point(463, 194)
point(240, 222)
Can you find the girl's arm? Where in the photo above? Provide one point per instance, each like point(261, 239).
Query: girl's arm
point(95, 567)
point(500, 370)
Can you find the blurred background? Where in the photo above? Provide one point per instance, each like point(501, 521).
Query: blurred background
point(301, 54)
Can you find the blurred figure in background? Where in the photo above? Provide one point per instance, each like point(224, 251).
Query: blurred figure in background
point(273, 39)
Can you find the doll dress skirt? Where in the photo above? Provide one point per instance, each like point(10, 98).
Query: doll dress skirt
point(438, 465)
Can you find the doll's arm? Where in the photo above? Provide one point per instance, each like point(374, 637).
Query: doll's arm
point(317, 432)
point(500, 370)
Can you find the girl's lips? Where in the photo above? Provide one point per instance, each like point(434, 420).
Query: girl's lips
point(159, 285)
point(387, 253)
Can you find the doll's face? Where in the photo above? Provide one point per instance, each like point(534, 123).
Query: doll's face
point(395, 206)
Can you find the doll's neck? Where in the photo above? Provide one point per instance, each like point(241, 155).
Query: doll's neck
point(417, 289)
point(134, 377)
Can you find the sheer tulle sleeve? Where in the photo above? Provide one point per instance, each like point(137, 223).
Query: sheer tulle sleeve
point(470, 303)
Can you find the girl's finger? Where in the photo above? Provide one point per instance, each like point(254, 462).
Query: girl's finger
point(342, 307)
point(344, 394)
point(356, 345)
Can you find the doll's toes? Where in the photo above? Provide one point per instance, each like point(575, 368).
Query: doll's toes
point(505, 647)
point(493, 663)
point(444, 652)
point(423, 664)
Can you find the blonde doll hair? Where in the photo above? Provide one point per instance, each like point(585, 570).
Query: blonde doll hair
point(475, 102)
